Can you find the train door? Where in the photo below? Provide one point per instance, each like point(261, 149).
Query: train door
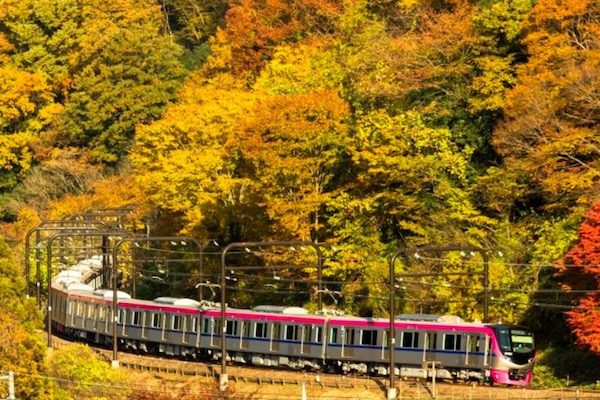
point(385, 351)
point(347, 342)
point(176, 326)
point(245, 335)
point(305, 337)
point(452, 344)
point(292, 339)
point(123, 321)
point(215, 332)
point(144, 322)
point(473, 351)
point(198, 328)
point(430, 347)
point(275, 336)
point(487, 354)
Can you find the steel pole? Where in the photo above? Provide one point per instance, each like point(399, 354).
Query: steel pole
point(486, 285)
point(49, 267)
point(115, 304)
point(223, 379)
point(115, 309)
point(392, 329)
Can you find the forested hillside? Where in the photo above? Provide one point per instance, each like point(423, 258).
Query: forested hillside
point(366, 125)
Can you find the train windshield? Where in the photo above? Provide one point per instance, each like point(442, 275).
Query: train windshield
point(516, 342)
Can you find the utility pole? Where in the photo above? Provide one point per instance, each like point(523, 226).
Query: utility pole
point(11, 385)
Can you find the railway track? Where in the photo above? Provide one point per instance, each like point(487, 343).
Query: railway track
point(257, 376)
point(236, 373)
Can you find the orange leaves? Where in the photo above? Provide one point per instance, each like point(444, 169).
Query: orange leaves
point(580, 269)
point(587, 250)
point(295, 143)
point(255, 27)
point(549, 131)
point(22, 96)
point(585, 324)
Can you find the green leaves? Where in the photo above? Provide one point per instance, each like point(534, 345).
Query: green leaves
point(93, 378)
point(108, 64)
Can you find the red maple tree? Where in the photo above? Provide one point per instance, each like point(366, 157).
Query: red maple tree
point(580, 269)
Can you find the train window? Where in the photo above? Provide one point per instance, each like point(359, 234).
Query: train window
point(275, 336)
point(260, 330)
point(91, 310)
point(307, 335)
point(504, 340)
point(101, 312)
point(122, 316)
point(232, 328)
point(291, 332)
point(318, 334)
point(333, 336)
point(473, 343)
point(136, 318)
point(193, 325)
point(276, 331)
point(452, 342)
point(70, 307)
point(156, 321)
point(176, 322)
point(205, 325)
point(410, 340)
point(431, 339)
point(79, 312)
point(349, 336)
point(369, 338)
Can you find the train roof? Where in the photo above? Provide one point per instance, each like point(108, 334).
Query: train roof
point(430, 318)
point(281, 310)
point(177, 301)
point(79, 287)
point(109, 293)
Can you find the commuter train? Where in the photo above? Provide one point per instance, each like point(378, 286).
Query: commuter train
point(290, 337)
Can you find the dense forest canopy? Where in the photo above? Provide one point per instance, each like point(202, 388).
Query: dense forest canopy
point(366, 125)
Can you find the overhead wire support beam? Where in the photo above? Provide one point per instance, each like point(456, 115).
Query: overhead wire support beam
point(134, 239)
point(42, 227)
point(100, 234)
point(392, 390)
point(223, 378)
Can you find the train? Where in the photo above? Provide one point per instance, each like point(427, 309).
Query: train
point(289, 337)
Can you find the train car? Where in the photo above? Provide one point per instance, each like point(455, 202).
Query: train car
point(456, 349)
point(292, 337)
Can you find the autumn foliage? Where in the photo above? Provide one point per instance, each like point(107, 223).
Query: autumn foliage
point(367, 125)
point(580, 269)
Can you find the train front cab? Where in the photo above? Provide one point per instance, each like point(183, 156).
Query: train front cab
point(515, 354)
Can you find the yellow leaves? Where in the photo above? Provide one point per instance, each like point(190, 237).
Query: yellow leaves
point(409, 4)
point(490, 86)
point(22, 94)
point(549, 134)
point(186, 161)
point(302, 68)
point(16, 151)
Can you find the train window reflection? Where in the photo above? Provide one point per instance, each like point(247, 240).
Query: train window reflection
point(410, 340)
point(452, 342)
point(369, 338)
point(333, 336)
point(522, 341)
point(260, 330)
point(504, 340)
